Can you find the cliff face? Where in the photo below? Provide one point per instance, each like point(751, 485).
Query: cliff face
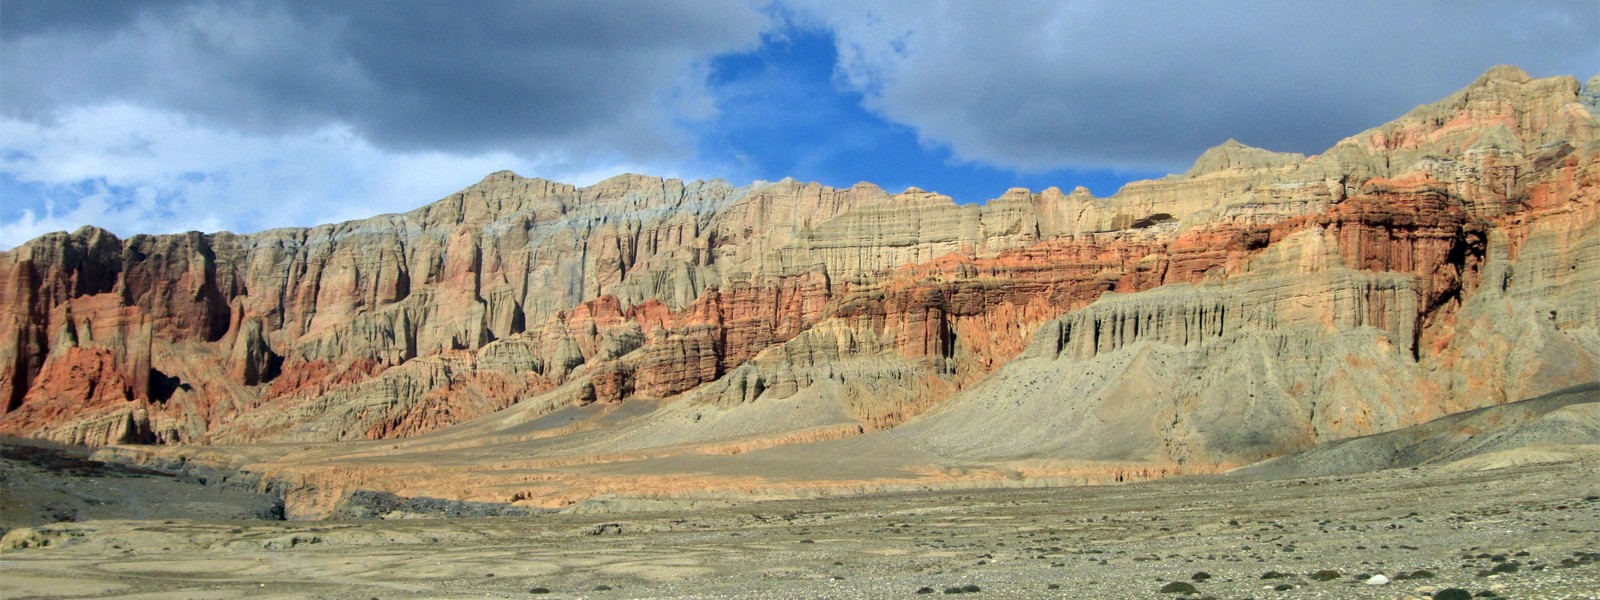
point(1457, 268)
point(1447, 260)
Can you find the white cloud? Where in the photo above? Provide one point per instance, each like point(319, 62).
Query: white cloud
point(495, 75)
point(194, 114)
point(206, 115)
point(137, 170)
point(1042, 84)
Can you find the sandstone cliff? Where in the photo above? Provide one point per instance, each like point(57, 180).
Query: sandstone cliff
point(1257, 304)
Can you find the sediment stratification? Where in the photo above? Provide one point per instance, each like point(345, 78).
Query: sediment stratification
point(1258, 304)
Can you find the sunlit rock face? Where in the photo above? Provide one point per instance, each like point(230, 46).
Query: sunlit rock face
point(1257, 304)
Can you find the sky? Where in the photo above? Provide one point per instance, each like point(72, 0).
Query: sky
point(175, 115)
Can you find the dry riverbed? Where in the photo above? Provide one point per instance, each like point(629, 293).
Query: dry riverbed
point(1521, 531)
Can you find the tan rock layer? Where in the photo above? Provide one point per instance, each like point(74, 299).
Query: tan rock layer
point(636, 287)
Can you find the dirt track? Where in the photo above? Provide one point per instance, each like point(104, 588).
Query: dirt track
point(1120, 541)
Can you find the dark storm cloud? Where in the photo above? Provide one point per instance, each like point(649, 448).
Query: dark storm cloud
point(523, 76)
point(1018, 85)
point(29, 17)
point(1131, 84)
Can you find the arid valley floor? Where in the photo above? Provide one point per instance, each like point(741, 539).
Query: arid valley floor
point(1520, 524)
point(1369, 372)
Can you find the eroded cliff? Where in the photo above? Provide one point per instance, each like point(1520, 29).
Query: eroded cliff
point(1259, 303)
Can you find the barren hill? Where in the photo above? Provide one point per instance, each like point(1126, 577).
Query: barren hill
point(533, 342)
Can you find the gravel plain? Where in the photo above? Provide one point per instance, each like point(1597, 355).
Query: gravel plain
point(1507, 528)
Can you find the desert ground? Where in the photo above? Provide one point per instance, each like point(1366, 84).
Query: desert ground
point(1518, 524)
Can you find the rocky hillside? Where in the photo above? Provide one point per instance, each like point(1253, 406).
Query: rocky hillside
point(1257, 304)
point(1538, 430)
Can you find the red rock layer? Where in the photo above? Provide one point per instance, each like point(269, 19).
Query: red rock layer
point(642, 287)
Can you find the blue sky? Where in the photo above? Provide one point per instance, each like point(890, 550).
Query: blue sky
point(782, 114)
point(174, 115)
